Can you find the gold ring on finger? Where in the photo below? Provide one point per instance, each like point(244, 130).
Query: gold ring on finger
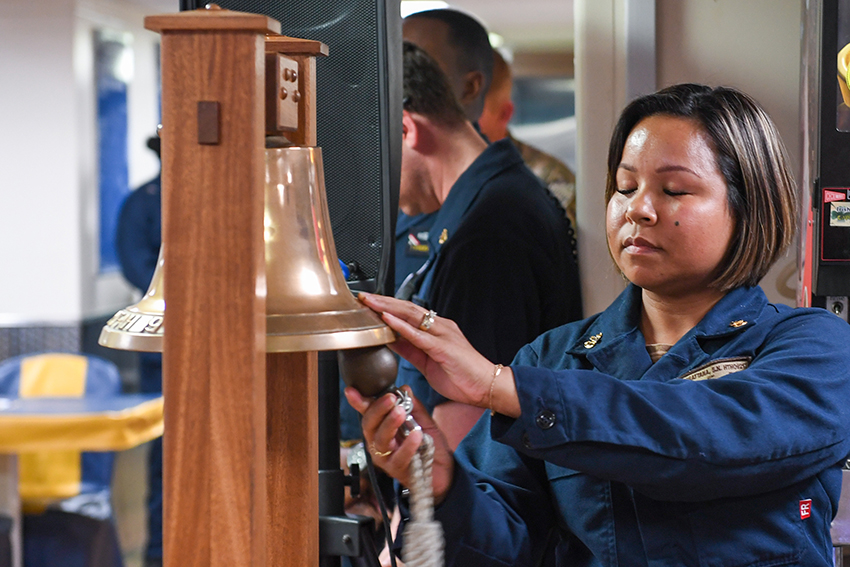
point(377, 453)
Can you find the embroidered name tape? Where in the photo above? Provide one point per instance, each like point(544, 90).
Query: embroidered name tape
point(805, 508)
point(718, 368)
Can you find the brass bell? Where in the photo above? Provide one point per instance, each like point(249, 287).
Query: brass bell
point(139, 326)
point(308, 303)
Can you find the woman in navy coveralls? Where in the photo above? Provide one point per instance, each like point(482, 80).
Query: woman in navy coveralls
point(690, 423)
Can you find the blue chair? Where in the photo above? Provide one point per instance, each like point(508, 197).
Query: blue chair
point(65, 495)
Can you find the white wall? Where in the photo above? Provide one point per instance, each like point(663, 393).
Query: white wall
point(600, 94)
point(48, 190)
point(40, 255)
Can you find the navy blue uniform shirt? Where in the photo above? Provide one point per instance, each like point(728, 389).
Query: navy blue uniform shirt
point(500, 262)
point(411, 244)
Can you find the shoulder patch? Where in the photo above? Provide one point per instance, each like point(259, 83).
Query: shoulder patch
point(718, 368)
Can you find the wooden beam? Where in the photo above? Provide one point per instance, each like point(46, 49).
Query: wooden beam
point(214, 345)
point(293, 459)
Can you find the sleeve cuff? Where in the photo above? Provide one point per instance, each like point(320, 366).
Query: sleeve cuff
point(542, 423)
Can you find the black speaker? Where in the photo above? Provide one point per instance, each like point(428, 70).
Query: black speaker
point(359, 107)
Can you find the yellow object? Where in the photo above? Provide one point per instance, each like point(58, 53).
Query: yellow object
point(53, 375)
point(591, 342)
point(104, 431)
point(50, 475)
point(843, 78)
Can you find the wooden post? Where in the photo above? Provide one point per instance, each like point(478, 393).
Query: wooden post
point(215, 465)
point(241, 448)
point(293, 459)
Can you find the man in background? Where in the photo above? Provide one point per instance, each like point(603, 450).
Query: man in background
point(499, 260)
point(497, 113)
point(496, 257)
point(461, 47)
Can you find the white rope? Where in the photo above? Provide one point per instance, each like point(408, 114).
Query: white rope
point(423, 536)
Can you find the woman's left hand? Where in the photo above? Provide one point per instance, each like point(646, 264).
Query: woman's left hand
point(439, 351)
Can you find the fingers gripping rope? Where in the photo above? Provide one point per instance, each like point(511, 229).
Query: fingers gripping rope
point(423, 536)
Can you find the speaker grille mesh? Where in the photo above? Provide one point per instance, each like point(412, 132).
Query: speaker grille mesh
point(348, 115)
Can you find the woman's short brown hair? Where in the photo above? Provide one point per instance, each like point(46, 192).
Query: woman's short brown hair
point(762, 194)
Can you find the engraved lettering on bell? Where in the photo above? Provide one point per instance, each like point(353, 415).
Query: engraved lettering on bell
point(136, 323)
point(153, 325)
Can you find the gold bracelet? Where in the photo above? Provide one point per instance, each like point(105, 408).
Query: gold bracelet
point(496, 371)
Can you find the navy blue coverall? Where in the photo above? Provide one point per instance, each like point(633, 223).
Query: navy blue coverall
point(727, 451)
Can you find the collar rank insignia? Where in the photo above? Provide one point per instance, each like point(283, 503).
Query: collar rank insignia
point(591, 342)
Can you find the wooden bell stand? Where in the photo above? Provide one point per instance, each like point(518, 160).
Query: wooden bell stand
point(241, 445)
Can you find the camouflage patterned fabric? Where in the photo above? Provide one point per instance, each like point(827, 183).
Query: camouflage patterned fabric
point(556, 176)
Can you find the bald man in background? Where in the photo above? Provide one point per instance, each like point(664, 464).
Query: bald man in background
point(461, 47)
point(493, 122)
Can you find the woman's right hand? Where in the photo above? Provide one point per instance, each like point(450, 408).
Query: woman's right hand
point(390, 449)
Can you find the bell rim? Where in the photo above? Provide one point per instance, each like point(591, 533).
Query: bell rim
point(122, 340)
point(331, 340)
point(302, 342)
